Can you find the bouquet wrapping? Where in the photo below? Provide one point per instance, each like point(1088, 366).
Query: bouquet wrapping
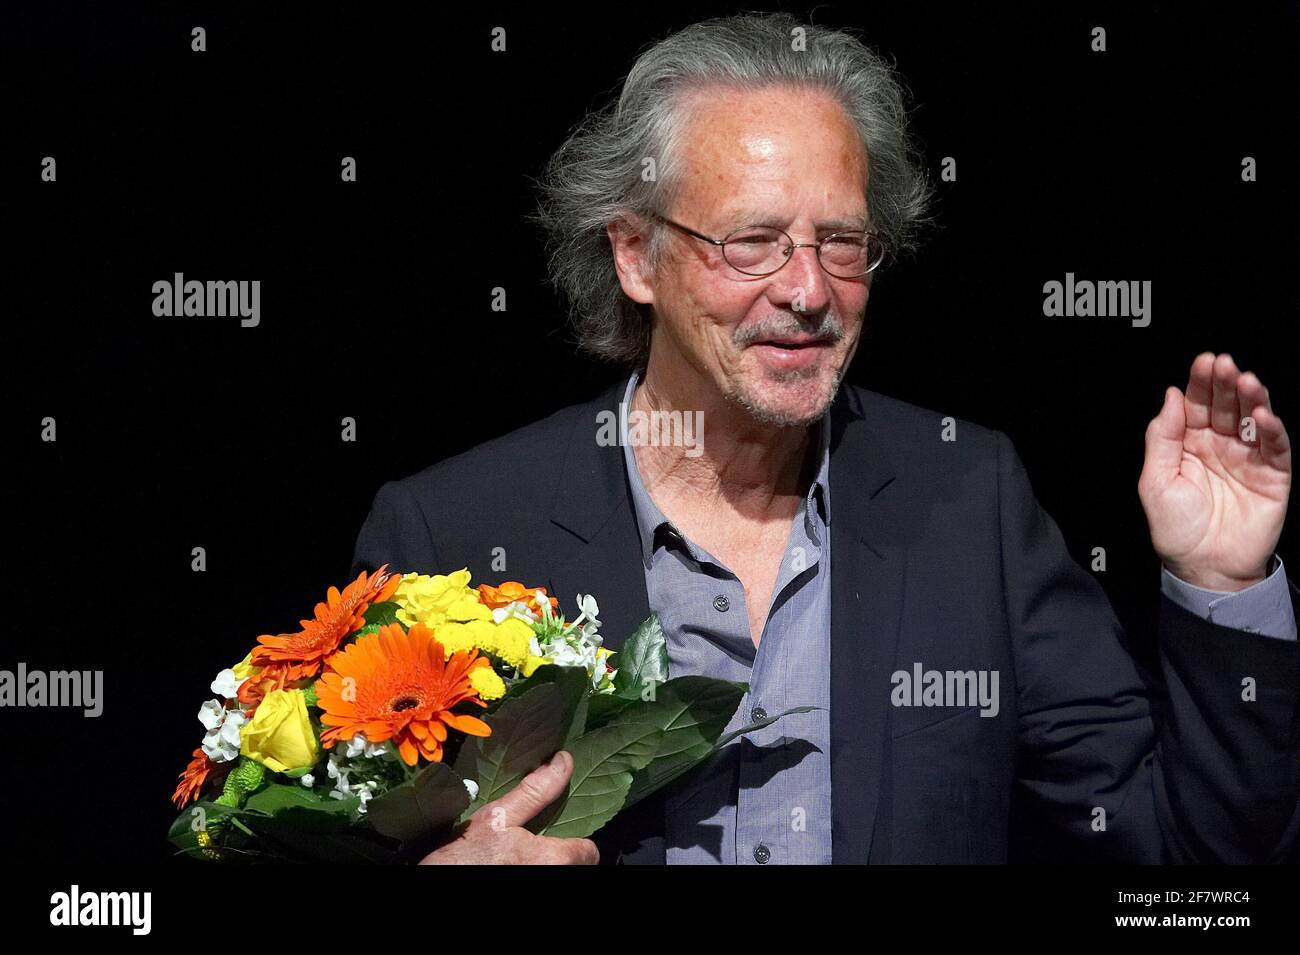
point(409, 701)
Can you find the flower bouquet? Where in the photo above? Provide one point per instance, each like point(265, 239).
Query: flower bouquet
point(408, 701)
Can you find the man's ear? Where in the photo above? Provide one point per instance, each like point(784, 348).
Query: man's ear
point(631, 245)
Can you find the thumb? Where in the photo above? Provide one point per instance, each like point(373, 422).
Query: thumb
point(534, 793)
point(1164, 441)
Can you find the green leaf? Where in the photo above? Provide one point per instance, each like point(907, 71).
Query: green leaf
point(279, 797)
point(660, 773)
point(211, 816)
point(528, 728)
point(577, 727)
point(288, 828)
point(578, 718)
point(692, 711)
point(642, 658)
point(604, 762)
point(417, 809)
point(603, 707)
point(381, 614)
point(759, 724)
point(304, 836)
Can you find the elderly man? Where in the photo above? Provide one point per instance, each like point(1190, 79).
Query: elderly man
point(834, 547)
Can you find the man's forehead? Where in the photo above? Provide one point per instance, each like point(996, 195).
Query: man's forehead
point(749, 159)
point(760, 125)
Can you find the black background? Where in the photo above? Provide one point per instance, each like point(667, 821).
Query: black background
point(183, 432)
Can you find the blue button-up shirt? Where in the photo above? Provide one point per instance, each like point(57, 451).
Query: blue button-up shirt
point(767, 796)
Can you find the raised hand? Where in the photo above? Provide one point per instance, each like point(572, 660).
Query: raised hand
point(1215, 495)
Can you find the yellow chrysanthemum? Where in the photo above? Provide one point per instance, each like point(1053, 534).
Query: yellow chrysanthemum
point(455, 637)
point(489, 685)
point(510, 640)
point(426, 599)
point(532, 663)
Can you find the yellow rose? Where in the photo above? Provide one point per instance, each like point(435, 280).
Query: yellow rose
point(280, 736)
point(465, 609)
point(424, 599)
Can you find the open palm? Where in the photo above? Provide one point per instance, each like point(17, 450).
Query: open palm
point(1215, 495)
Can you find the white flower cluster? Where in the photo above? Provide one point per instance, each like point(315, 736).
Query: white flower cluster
point(221, 743)
point(340, 769)
point(521, 610)
point(576, 644)
point(579, 644)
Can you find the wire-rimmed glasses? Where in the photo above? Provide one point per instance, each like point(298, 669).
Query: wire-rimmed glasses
point(760, 250)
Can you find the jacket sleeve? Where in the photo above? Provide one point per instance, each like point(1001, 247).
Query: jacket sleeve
point(1203, 769)
point(395, 533)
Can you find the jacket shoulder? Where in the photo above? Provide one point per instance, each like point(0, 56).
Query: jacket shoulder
point(523, 455)
point(518, 463)
point(923, 437)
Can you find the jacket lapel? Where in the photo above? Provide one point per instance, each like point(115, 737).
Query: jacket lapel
point(593, 513)
point(593, 507)
point(866, 606)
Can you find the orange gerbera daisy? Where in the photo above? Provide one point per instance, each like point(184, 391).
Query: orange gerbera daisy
point(193, 778)
point(395, 685)
point(510, 592)
point(287, 657)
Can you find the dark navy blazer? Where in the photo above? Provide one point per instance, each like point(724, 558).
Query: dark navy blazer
point(940, 556)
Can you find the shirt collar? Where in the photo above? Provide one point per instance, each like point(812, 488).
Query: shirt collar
point(651, 521)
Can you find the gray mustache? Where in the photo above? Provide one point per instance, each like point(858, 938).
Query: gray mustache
point(828, 327)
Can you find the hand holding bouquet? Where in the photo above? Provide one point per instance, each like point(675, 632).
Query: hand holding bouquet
point(408, 702)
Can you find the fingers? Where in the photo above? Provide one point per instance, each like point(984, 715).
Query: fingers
point(534, 793)
point(514, 847)
point(1164, 443)
point(1196, 406)
point(1274, 443)
point(495, 833)
point(1225, 414)
point(1221, 396)
point(567, 852)
point(1251, 394)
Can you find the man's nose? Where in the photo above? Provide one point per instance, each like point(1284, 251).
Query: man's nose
point(802, 282)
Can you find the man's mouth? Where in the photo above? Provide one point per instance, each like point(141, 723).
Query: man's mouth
point(791, 353)
point(793, 342)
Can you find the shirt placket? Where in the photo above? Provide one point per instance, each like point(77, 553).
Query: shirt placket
point(761, 828)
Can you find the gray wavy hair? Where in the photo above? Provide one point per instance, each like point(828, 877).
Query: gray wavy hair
point(596, 176)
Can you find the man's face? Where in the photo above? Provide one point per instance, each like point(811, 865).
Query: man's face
point(777, 345)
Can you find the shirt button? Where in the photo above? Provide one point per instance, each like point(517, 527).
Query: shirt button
point(721, 603)
point(761, 854)
point(757, 713)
